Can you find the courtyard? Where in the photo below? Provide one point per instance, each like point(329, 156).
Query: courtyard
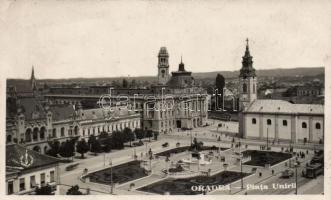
point(262, 158)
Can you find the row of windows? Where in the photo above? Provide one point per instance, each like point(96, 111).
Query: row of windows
point(93, 129)
point(33, 184)
point(303, 125)
point(245, 88)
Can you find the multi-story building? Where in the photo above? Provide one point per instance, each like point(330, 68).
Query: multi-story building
point(275, 119)
point(27, 169)
point(174, 103)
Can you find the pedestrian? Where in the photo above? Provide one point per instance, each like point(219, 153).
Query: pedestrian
point(272, 172)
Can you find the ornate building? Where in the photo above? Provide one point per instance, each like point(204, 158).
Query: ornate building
point(174, 103)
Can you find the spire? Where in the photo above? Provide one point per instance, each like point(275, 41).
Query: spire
point(33, 80)
point(247, 53)
point(181, 66)
point(247, 69)
point(32, 74)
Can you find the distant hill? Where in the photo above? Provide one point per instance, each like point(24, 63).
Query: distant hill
point(291, 72)
point(266, 72)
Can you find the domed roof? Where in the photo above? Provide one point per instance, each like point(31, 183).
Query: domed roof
point(163, 52)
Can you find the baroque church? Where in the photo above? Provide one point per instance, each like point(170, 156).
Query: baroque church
point(275, 120)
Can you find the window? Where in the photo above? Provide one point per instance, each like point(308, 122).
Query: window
point(253, 121)
point(54, 132)
point(284, 122)
point(10, 187)
point(62, 132)
point(269, 121)
point(42, 179)
point(304, 125)
point(318, 126)
point(244, 88)
point(22, 184)
point(52, 176)
point(33, 182)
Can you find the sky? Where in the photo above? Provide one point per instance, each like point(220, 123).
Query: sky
point(64, 39)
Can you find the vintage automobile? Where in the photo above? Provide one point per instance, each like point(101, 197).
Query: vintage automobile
point(287, 173)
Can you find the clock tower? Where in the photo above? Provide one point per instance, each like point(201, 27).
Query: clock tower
point(163, 66)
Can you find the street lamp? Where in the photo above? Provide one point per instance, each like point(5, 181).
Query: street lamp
point(267, 138)
point(241, 166)
point(223, 99)
point(111, 176)
point(296, 165)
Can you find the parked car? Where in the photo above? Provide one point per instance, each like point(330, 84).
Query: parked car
point(166, 144)
point(287, 173)
point(140, 143)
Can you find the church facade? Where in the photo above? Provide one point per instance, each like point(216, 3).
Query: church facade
point(275, 120)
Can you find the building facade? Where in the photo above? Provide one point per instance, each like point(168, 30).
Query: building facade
point(276, 120)
point(26, 170)
point(175, 102)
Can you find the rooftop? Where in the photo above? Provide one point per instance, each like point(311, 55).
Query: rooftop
point(281, 106)
point(21, 158)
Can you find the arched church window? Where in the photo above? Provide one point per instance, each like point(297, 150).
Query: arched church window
point(253, 121)
point(254, 88)
point(304, 125)
point(244, 88)
point(269, 121)
point(318, 126)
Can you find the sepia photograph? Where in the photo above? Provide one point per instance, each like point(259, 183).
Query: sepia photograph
point(164, 97)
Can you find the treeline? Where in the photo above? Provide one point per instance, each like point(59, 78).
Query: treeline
point(104, 142)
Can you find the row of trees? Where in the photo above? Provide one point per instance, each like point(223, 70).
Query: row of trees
point(103, 143)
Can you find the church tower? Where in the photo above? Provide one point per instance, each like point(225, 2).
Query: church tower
point(163, 66)
point(247, 81)
point(33, 80)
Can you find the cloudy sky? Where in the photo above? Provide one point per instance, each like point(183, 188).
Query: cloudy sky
point(63, 39)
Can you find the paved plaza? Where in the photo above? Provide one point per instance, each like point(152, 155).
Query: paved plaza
point(267, 177)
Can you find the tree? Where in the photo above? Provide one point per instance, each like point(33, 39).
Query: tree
point(67, 149)
point(149, 134)
point(118, 139)
point(54, 148)
point(95, 147)
point(107, 145)
point(82, 147)
point(91, 140)
point(156, 134)
point(44, 190)
point(125, 83)
point(139, 133)
point(129, 135)
point(74, 190)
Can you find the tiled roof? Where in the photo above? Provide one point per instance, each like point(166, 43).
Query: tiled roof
point(31, 106)
point(62, 112)
point(21, 158)
point(280, 106)
point(21, 86)
point(100, 113)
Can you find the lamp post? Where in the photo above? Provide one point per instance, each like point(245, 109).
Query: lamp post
point(296, 165)
point(216, 101)
point(267, 138)
point(111, 176)
point(223, 99)
point(241, 166)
